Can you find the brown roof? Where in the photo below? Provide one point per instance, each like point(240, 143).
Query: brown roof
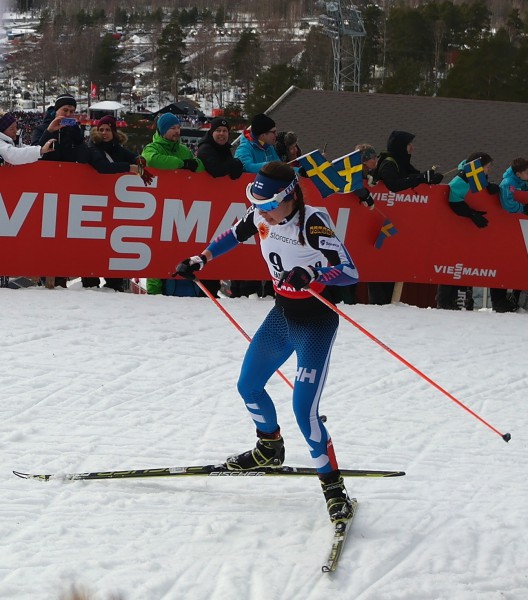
point(447, 130)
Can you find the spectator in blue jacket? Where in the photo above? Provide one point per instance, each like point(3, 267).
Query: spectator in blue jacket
point(451, 297)
point(514, 179)
point(257, 146)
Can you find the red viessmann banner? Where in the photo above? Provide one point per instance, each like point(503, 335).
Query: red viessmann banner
point(66, 219)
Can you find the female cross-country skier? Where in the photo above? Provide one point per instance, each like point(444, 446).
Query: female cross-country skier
point(301, 250)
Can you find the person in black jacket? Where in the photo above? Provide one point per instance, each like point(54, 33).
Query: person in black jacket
point(60, 124)
point(106, 149)
point(395, 170)
point(215, 151)
point(107, 154)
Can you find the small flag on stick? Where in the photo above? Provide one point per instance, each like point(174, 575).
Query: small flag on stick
point(351, 170)
point(475, 175)
point(387, 230)
point(322, 173)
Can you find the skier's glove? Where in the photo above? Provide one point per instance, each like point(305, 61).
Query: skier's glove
point(188, 267)
point(298, 278)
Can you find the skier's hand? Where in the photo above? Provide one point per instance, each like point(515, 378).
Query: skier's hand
point(188, 267)
point(298, 278)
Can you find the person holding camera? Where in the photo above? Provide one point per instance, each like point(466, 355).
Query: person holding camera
point(60, 124)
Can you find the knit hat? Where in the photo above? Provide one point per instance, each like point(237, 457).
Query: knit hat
point(6, 120)
point(261, 124)
point(108, 120)
point(218, 122)
point(166, 121)
point(65, 100)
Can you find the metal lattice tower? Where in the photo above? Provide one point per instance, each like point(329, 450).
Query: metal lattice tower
point(343, 24)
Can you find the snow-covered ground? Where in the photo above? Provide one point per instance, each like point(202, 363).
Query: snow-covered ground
point(102, 381)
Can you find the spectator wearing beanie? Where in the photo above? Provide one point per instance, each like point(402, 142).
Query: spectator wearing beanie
point(69, 145)
point(107, 154)
point(106, 150)
point(20, 154)
point(16, 155)
point(166, 151)
point(257, 146)
point(215, 151)
point(287, 147)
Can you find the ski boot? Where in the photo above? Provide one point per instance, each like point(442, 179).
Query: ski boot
point(269, 452)
point(338, 503)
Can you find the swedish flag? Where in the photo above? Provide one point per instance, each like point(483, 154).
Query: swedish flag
point(351, 170)
point(475, 176)
point(322, 173)
point(387, 230)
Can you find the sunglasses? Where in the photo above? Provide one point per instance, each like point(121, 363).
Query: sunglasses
point(267, 204)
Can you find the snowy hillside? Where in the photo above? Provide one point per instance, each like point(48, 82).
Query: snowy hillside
point(102, 381)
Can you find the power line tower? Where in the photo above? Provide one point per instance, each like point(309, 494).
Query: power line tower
point(343, 24)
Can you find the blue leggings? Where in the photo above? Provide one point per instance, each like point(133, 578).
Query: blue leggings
point(276, 339)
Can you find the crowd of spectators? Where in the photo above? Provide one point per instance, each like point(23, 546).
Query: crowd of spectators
point(26, 137)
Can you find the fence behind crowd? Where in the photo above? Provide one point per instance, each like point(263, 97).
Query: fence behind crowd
point(66, 218)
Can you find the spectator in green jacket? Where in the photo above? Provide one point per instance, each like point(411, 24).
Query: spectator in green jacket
point(167, 152)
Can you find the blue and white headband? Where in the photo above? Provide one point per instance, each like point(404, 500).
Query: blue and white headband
point(273, 190)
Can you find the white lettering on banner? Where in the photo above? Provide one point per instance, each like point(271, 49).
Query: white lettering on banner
point(524, 229)
point(233, 214)
point(77, 216)
point(138, 197)
point(174, 217)
point(86, 219)
point(120, 246)
point(459, 270)
point(9, 227)
point(306, 374)
point(391, 198)
point(49, 215)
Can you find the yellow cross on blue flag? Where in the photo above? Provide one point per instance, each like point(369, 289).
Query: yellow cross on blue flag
point(321, 171)
point(475, 176)
point(351, 169)
point(387, 230)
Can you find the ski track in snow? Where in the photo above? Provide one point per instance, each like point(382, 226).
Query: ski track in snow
point(97, 381)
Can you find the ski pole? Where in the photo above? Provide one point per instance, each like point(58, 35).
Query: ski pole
point(505, 436)
point(233, 322)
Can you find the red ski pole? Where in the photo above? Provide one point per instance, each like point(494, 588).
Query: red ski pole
point(505, 436)
point(233, 322)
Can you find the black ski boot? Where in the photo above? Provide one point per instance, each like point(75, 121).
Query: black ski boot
point(338, 503)
point(269, 452)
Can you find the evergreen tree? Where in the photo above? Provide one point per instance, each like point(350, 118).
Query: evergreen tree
point(270, 85)
point(105, 66)
point(246, 60)
point(170, 56)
